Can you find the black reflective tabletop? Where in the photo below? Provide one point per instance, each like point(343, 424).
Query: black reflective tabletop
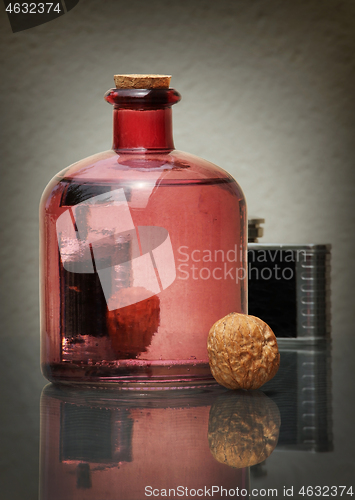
point(206, 442)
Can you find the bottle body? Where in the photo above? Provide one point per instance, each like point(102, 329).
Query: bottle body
point(143, 248)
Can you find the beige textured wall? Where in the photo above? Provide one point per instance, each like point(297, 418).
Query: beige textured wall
point(268, 92)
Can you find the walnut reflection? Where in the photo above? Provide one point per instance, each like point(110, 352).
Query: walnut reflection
point(243, 428)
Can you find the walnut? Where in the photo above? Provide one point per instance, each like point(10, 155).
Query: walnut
point(243, 428)
point(243, 352)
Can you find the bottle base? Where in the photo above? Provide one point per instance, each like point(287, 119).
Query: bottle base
point(131, 374)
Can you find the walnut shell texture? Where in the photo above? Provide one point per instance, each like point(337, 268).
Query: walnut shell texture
point(243, 428)
point(242, 351)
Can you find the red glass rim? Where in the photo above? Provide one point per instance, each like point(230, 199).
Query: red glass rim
point(142, 98)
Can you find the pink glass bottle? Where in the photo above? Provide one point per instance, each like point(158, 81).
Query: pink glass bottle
point(143, 248)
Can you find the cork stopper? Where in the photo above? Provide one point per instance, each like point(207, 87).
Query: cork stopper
point(142, 81)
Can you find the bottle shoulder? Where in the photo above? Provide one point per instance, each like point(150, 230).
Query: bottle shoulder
point(127, 168)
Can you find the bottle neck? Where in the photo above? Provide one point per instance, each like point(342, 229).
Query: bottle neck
point(142, 119)
point(148, 130)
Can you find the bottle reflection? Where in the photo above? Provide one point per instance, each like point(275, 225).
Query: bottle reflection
point(106, 444)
